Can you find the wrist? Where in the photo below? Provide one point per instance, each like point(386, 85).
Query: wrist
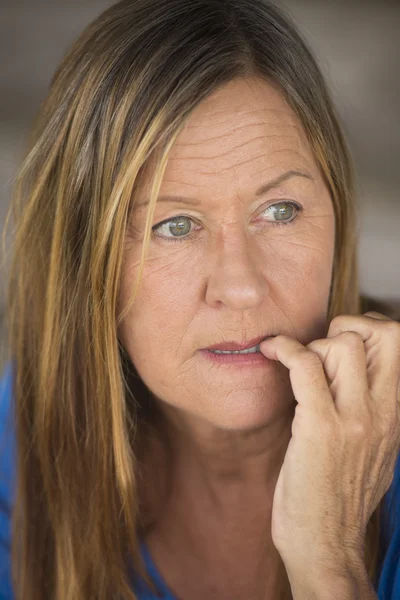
point(341, 582)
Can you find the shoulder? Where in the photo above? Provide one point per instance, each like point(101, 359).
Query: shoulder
point(7, 433)
point(388, 585)
point(7, 422)
point(6, 392)
point(7, 478)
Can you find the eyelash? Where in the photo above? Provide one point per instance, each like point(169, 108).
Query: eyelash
point(191, 234)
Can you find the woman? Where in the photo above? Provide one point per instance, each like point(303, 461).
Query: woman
point(188, 194)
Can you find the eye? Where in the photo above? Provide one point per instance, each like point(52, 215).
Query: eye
point(283, 211)
point(180, 227)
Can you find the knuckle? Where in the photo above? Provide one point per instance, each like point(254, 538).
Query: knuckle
point(316, 345)
point(310, 360)
point(359, 429)
point(338, 323)
point(352, 339)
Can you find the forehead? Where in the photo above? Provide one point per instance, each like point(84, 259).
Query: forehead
point(240, 134)
point(239, 113)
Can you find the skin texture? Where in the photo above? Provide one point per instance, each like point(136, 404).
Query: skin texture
point(240, 276)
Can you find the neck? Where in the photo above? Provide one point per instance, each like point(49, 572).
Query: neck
point(220, 496)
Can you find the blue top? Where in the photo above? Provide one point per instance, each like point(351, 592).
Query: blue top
point(388, 580)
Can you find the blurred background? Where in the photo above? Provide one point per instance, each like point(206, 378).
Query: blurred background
point(358, 48)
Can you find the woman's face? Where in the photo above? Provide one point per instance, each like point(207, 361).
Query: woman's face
point(235, 273)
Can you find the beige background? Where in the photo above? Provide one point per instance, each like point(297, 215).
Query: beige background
point(357, 44)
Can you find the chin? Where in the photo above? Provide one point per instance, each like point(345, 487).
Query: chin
point(247, 415)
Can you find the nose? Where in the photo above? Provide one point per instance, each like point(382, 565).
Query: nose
point(237, 271)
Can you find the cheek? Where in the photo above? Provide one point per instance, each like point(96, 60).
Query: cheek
point(300, 288)
point(169, 282)
point(303, 267)
point(159, 317)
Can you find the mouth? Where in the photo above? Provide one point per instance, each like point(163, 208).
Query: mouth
point(235, 348)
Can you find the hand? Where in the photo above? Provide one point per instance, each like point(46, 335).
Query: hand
point(345, 439)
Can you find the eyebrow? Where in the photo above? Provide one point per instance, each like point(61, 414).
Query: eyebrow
point(259, 192)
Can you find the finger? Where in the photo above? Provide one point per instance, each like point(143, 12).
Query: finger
point(376, 315)
point(307, 376)
point(345, 365)
point(381, 337)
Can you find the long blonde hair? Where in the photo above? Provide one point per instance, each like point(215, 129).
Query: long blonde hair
point(119, 100)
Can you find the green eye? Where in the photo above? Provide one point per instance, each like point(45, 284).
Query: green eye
point(282, 211)
point(180, 226)
point(179, 229)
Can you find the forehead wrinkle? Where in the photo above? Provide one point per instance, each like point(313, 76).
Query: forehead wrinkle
point(232, 113)
point(241, 145)
point(266, 126)
point(276, 133)
point(276, 165)
point(301, 149)
point(292, 124)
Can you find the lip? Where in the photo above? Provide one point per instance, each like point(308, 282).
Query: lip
point(235, 346)
point(254, 359)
